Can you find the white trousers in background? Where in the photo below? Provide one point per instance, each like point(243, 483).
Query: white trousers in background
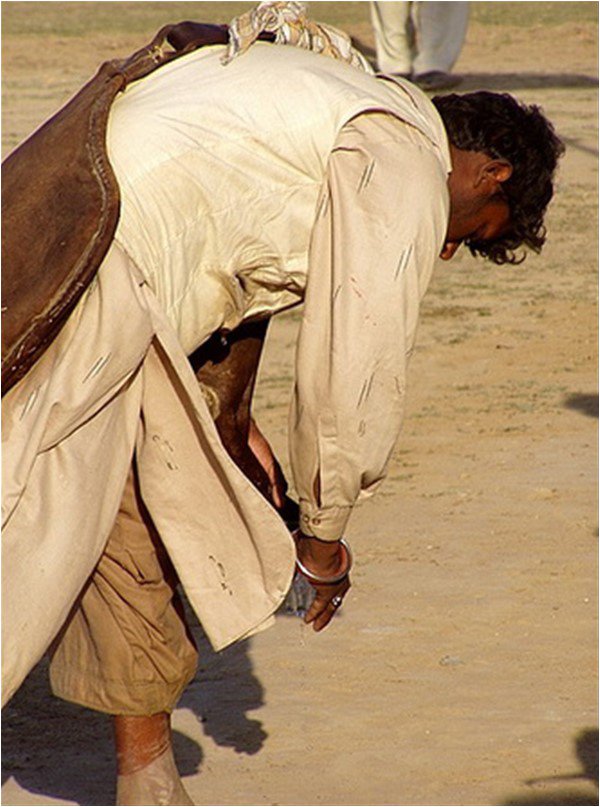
point(418, 37)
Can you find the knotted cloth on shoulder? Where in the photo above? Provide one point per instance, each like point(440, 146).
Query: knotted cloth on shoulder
point(290, 25)
point(60, 198)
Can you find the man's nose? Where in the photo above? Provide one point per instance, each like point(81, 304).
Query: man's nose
point(449, 249)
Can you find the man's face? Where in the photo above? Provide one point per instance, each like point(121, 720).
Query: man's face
point(478, 209)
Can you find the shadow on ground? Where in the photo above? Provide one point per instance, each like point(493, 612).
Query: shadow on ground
point(586, 750)
point(55, 749)
point(63, 751)
point(584, 403)
point(59, 750)
point(520, 81)
point(224, 690)
point(504, 81)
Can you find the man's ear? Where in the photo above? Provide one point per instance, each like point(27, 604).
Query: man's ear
point(495, 171)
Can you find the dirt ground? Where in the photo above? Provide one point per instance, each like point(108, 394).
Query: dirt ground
point(462, 668)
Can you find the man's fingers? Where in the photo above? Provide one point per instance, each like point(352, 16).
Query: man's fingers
point(324, 606)
point(322, 621)
point(319, 606)
point(325, 616)
point(314, 610)
point(321, 618)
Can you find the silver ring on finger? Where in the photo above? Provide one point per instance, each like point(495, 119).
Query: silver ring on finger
point(337, 601)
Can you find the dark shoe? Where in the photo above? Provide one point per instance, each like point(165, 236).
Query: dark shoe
point(436, 80)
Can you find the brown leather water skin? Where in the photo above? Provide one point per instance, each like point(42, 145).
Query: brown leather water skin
point(60, 202)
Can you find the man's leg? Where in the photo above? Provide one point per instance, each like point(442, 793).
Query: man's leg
point(126, 651)
point(146, 769)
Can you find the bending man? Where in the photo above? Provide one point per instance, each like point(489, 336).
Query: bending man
point(282, 177)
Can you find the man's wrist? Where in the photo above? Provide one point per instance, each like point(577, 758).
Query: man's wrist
point(323, 561)
point(312, 547)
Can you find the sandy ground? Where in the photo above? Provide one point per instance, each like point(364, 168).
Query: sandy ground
point(462, 668)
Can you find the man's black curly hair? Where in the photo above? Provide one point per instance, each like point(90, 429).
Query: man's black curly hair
point(501, 127)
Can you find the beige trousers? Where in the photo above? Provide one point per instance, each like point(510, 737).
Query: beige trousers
point(126, 648)
point(418, 37)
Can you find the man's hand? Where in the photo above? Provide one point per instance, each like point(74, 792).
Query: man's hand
point(277, 494)
point(264, 454)
point(325, 559)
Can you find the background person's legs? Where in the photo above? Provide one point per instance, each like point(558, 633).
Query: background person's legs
point(440, 33)
point(392, 28)
point(127, 651)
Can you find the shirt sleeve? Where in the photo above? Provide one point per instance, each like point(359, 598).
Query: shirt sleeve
point(380, 224)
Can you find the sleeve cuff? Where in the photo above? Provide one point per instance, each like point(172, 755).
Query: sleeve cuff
point(326, 524)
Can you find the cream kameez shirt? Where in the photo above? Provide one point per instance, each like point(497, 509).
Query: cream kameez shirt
point(117, 380)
